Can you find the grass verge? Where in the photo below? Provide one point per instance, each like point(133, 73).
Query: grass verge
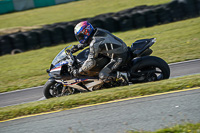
point(105, 95)
point(69, 11)
point(178, 41)
point(181, 128)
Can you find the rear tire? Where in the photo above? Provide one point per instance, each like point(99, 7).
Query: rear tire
point(149, 68)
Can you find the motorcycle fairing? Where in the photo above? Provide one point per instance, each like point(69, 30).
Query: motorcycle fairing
point(74, 83)
point(82, 56)
point(139, 46)
point(55, 71)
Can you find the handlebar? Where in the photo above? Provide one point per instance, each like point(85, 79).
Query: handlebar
point(70, 56)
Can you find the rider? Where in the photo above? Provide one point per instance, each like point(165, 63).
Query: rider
point(100, 42)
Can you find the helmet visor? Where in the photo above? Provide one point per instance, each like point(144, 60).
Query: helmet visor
point(80, 37)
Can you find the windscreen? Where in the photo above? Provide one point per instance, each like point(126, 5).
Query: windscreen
point(61, 56)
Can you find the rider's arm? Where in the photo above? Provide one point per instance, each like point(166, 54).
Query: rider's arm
point(78, 47)
point(90, 62)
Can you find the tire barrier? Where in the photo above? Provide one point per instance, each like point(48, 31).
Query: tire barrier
point(188, 7)
point(68, 31)
point(176, 10)
point(56, 35)
point(150, 17)
point(163, 15)
point(110, 23)
point(138, 20)
point(97, 22)
point(5, 45)
point(18, 41)
point(133, 18)
point(16, 51)
point(45, 38)
point(32, 40)
point(124, 22)
point(197, 3)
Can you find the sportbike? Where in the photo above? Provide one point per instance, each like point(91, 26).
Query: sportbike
point(140, 67)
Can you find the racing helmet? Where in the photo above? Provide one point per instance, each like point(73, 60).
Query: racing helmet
point(83, 31)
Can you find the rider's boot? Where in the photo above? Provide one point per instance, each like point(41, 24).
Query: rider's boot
point(124, 76)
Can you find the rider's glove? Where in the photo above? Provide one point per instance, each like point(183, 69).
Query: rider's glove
point(74, 48)
point(81, 46)
point(75, 73)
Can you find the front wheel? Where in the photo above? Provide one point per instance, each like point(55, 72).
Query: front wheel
point(54, 89)
point(149, 68)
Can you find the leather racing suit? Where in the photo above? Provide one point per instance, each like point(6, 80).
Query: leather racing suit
point(103, 42)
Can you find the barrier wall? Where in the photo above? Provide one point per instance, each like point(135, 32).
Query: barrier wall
point(134, 18)
point(20, 5)
point(7, 6)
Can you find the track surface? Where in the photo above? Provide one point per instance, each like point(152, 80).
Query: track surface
point(149, 113)
point(36, 93)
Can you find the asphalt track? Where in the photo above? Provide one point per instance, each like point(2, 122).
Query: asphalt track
point(36, 93)
point(148, 113)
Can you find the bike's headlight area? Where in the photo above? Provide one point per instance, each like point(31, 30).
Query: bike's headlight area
point(55, 72)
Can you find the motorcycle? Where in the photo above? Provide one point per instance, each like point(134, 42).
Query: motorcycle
point(140, 67)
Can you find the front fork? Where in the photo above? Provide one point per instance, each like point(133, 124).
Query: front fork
point(63, 90)
point(66, 90)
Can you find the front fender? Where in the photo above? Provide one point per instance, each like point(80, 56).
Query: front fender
point(51, 79)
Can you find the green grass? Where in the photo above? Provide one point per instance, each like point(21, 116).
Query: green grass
point(178, 41)
point(69, 11)
point(179, 128)
point(67, 102)
point(186, 128)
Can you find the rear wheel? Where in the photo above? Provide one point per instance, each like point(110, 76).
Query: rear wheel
point(149, 69)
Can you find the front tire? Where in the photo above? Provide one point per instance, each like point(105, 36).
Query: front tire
point(55, 89)
point(149, 68)
point(48, 88)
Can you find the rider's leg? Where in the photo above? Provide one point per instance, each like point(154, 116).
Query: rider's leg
point(104, 74)
point(108, 73)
